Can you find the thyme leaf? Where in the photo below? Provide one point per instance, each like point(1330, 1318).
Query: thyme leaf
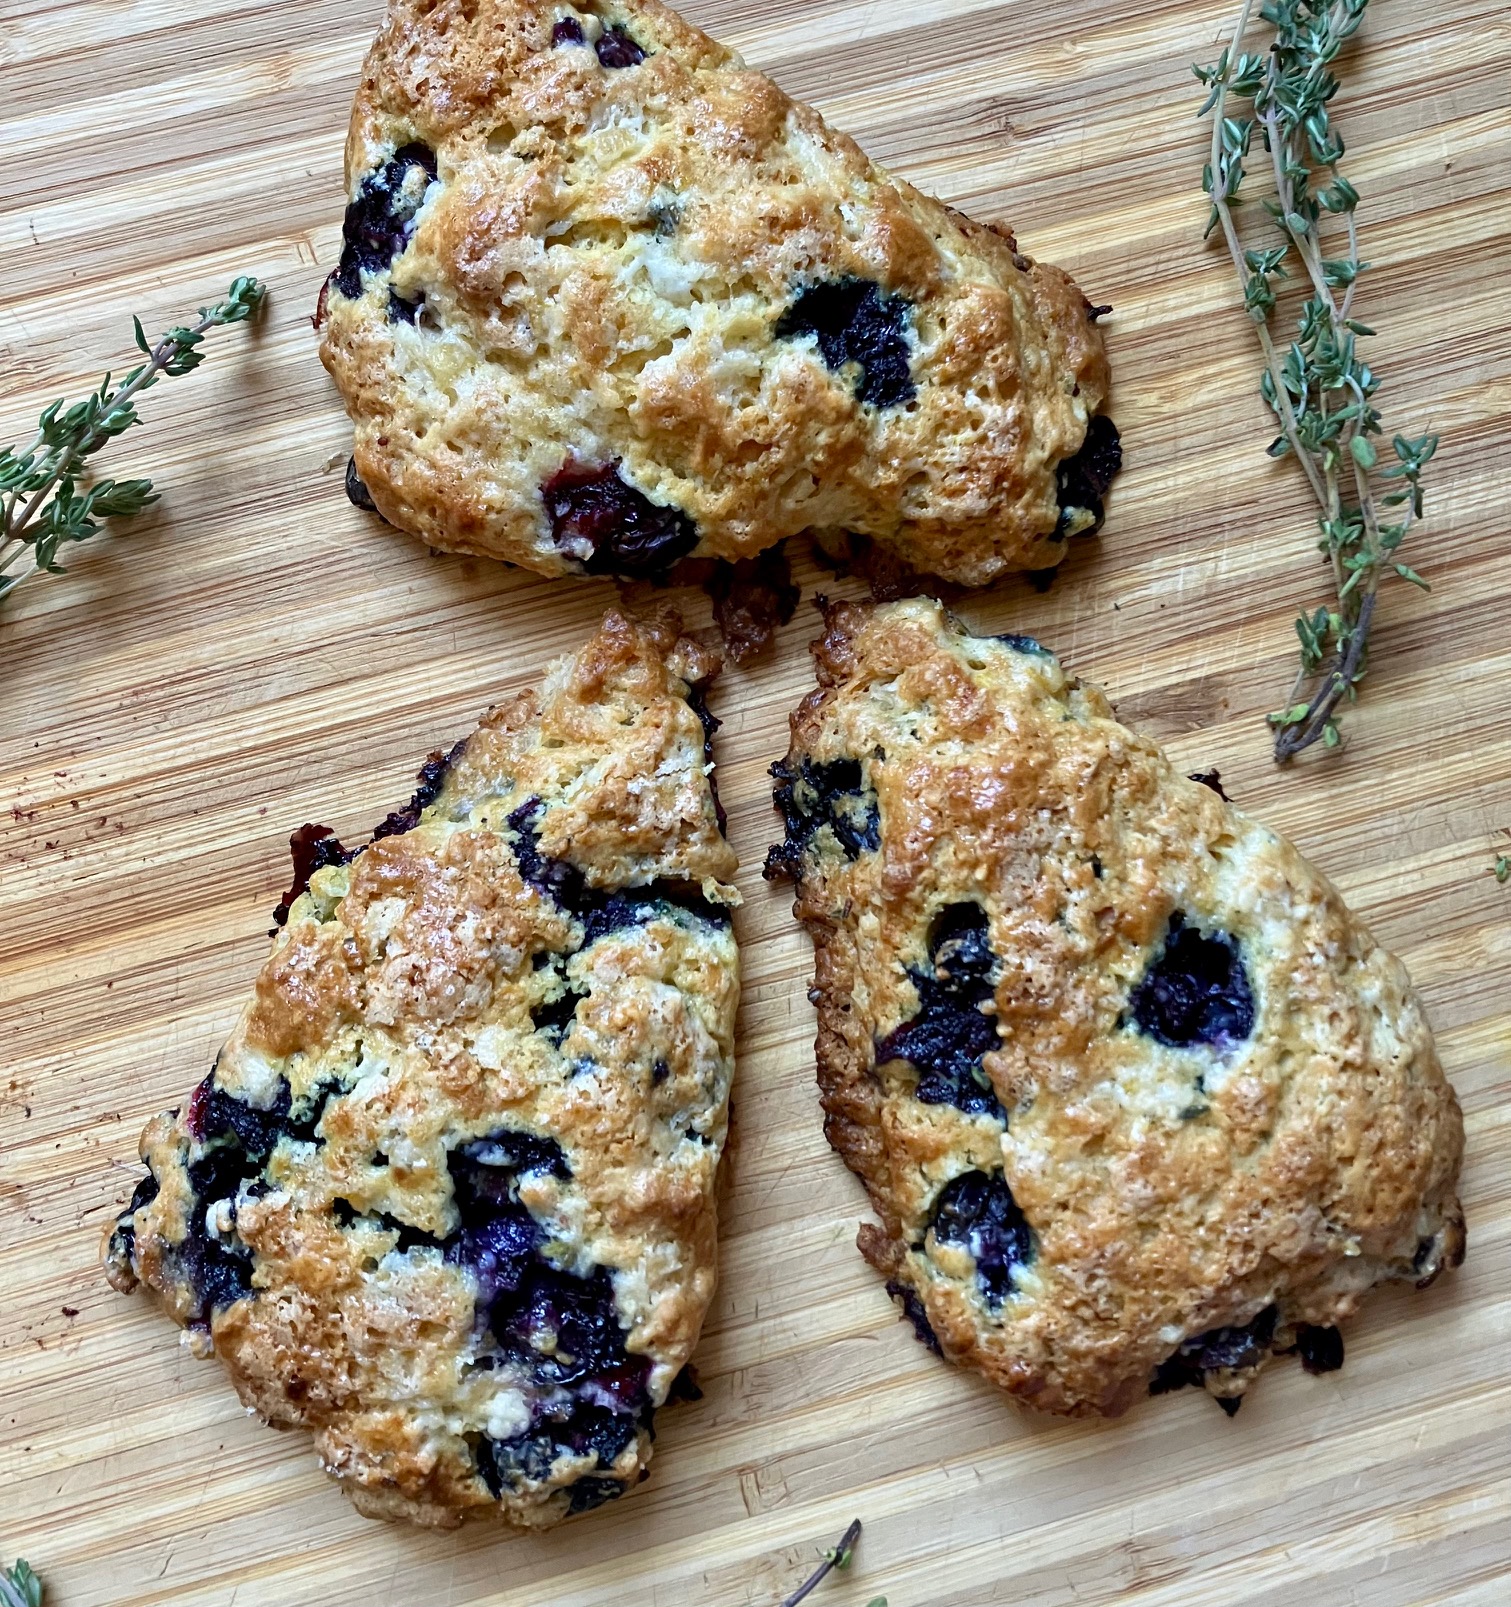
point(20, 1587)
point(42, 506)
point(1319, 388)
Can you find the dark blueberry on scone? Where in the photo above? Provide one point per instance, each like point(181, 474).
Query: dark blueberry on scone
point(609, 299)
point(1138, 1103)
point(446, 1198)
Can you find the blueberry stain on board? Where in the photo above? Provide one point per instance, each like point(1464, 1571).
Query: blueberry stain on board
point(951, 1033)
point(600, 520)
point(1084, 479)
point(854, 322)
point(1196, 992)
point(977, 1210)
point(379, 222)
point(813, 796)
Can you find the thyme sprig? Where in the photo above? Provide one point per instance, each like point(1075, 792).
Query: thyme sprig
point(42, 507)
point(20, 1587)
point(1319, 388)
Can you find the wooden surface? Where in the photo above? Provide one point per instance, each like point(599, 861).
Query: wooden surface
point(255, 654)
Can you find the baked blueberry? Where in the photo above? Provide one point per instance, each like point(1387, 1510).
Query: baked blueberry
point(978, 1210)
point(607, 526)
point(1321, 1348)
point(1212, 779)
point(815, 796)
point(1240, 1349)
point(1196, 991)
point(379, 221)
point(428, 784)
point(699, 702)
point(1024, 644)
point(1084, 479)
point(356, 489)
point(913, 1310)
point(617, 49)
point(954, 1028)
point(854, 323)
point(312, 847)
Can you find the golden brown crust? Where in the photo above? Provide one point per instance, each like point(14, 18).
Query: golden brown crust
point(600, 267)
point(1197, 1189)
point(447, 1196)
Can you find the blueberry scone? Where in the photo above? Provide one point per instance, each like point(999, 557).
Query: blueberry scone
point(608, 299)
point(447, 1196)
point(1137, 1101)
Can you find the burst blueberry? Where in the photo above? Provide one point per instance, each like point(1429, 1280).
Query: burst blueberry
point(379, 222)
point(977, 1210)
point(428, 785)
point(1230, 1349)
point(603, 522)
point(853, 322)
point(832, 794)
point(1196, 992)
point(952, 1032)
point(1083, 480)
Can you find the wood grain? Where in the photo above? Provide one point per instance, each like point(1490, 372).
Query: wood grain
point(255, 654)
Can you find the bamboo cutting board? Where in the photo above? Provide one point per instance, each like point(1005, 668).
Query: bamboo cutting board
point(255, 653)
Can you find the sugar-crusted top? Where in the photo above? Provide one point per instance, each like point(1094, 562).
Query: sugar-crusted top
point(609, 298)
point(1135, 1097)
point(446, 1197)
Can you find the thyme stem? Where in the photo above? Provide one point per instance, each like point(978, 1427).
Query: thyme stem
point(40, 508)
point(839, 1557)
point(1320, 391)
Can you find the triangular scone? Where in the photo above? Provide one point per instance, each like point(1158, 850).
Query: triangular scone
point(447, 1196)
point(1137, 1101)
point(609, 299)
